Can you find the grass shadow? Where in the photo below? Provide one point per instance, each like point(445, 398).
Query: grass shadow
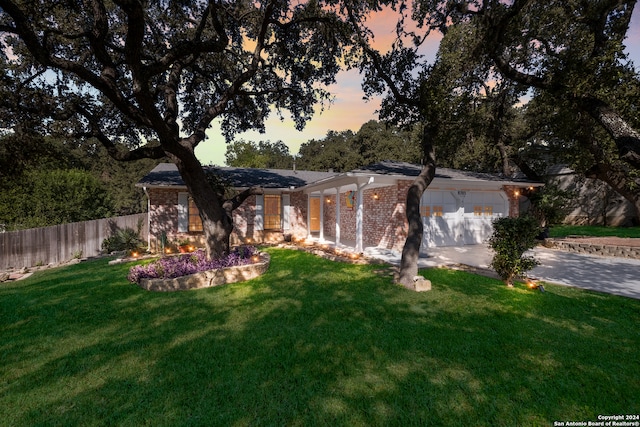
point(312, 342)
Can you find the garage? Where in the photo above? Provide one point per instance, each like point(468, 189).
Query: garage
point(461, 217)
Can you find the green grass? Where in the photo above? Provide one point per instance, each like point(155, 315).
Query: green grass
point(593, 230)
point(312, 342)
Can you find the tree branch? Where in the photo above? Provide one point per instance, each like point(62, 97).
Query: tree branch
point(234, 202)
point(374, 56)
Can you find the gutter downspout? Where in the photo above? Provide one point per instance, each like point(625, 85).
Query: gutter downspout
point(148, 218)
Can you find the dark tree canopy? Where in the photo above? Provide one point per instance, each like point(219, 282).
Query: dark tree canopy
point(374, 142)
point(263, 154)
point(146, 79)
point(28, 197)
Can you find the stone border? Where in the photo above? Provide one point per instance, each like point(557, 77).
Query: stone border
point(210, 278)
point(601, 250)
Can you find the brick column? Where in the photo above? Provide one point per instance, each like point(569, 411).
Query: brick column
point(513, 194)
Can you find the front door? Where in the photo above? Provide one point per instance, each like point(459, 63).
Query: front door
point(314, 214)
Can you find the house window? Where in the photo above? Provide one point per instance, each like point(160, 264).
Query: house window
point(195, 222)
point(425, 211)
point(437, 211)
point(488, 210)
point(477, 211)
point(272, 212)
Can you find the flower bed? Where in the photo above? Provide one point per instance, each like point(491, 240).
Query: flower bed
point(192, 271)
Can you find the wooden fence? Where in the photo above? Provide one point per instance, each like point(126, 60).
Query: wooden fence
point(59, 243)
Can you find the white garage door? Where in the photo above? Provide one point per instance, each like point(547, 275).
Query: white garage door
point(441, 219)
point(452, 218)
point(480, 209)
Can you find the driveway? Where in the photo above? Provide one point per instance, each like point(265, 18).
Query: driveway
point(619, 276)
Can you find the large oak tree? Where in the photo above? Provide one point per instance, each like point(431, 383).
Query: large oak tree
point(571, 49)
point(127, 72)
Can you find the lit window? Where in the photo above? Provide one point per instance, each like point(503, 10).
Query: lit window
point(477, 211)
point(437, 211)
point(195, 222)
point(488, 210)
point(272, 212)
point(425, 211)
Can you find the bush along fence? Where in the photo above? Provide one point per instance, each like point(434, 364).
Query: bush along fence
point(61, 243)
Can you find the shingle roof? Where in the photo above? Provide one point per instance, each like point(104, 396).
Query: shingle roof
point(166, 174)
point(409, 169)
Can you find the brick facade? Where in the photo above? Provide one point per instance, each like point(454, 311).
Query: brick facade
point(384, 222)
point(163, 214)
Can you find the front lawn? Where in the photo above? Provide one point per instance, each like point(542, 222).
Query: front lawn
point(312, 342)
point(593, 230)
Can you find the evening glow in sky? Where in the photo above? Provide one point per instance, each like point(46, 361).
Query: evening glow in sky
point(349, 111)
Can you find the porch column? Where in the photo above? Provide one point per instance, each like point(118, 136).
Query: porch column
point(359, 217)
point(337, 216)
point(322, 215)
point(309, 216)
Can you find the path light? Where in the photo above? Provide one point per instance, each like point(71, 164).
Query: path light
point(533, 284)
point(255, 258)
point(134, 254)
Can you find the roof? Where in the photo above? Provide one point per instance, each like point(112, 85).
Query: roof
point(167, 175)
point(412, 170)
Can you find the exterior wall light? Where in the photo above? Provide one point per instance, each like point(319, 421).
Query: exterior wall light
point(375, 196)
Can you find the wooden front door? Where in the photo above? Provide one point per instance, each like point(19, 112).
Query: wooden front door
point(314, 214)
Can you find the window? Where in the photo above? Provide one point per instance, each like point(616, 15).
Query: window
point(477, 210)
point(272, 212)
point(488, 210)
point(437, 211)
point(195, 222)
point(425, 211)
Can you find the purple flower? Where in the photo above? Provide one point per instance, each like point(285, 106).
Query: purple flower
point(183, 265)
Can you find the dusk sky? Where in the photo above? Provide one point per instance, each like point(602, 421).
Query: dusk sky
point(349, 111)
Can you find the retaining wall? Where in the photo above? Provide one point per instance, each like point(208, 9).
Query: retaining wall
point(602, 250)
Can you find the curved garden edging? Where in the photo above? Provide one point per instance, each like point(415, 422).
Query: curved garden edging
point(207, 279)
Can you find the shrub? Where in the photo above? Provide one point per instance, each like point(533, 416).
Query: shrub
point(183, 265)
point(125, 239)
point(511, 238)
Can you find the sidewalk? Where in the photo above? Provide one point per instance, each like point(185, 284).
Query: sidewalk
point(618, 276)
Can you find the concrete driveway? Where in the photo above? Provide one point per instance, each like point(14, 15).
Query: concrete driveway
point(619, 276)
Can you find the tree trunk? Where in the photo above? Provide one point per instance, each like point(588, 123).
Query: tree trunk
point(411, 249)
point(217, 224)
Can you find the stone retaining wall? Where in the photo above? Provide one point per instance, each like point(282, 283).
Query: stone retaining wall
point(207, 279)
point(603, 250)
